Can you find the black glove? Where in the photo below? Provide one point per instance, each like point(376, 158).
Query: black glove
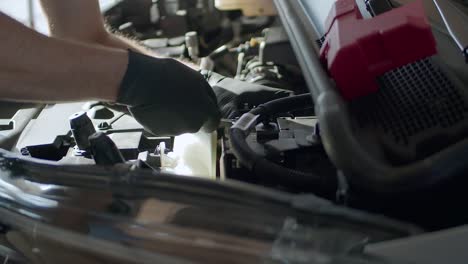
point(234, 95)
point(167, 97)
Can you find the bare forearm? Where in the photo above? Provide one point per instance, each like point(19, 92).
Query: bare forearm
point(121, 42)
point(81, 21)
point(38, 68)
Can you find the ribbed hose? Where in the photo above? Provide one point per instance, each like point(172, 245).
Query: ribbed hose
point(271, 171)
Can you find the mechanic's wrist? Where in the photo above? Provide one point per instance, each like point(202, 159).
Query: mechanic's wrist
point(106, 86)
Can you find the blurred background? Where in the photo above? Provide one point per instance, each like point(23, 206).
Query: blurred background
point(29, 12)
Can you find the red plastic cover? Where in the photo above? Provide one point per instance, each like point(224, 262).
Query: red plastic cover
point(356, 51)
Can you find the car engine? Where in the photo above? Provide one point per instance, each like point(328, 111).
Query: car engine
point(290, 145)
point(253, 49)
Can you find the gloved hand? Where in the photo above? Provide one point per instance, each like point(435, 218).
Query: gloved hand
point(233, 95)
point(167, 97)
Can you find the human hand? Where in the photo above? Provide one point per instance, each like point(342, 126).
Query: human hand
point(167, 97)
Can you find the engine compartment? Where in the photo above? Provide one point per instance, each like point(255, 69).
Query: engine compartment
point(258, 50)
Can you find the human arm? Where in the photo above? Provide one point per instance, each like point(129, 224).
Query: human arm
point(37, 68)
point(81, 20)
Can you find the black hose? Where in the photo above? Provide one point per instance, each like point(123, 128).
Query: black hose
point(284, 105)
point(269, 170)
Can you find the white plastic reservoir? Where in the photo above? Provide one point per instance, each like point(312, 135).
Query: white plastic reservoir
point(193, 155)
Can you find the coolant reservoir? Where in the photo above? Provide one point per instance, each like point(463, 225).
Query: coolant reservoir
point(248, 7)
point(193, 155)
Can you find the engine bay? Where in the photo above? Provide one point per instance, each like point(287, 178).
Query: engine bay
point(420, 111)
point(253, 50)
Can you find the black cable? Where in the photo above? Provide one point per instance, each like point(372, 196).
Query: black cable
point(284, 105)
point(261, 166)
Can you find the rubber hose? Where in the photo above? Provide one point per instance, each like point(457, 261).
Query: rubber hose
point(270, 170)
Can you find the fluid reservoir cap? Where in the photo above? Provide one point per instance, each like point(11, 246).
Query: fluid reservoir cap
point(81, 127)
point(79, 119)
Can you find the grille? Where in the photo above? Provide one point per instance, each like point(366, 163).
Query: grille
point(411, 100)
